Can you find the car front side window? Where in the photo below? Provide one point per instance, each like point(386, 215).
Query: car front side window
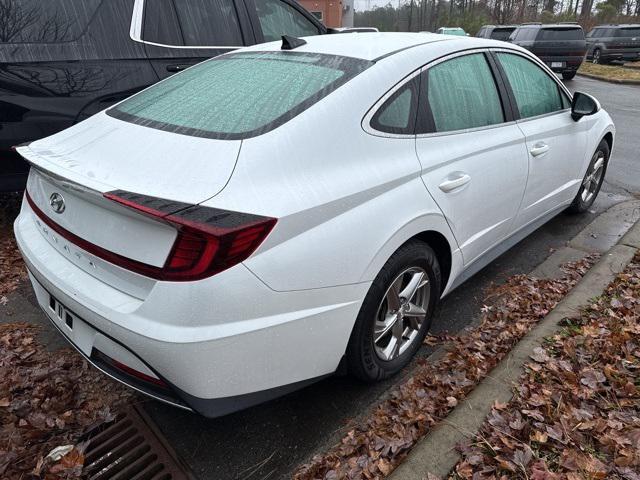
point(278, 18)
point(462, 94)
point(535, 92)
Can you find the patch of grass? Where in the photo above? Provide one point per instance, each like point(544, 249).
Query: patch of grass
point(610, 72)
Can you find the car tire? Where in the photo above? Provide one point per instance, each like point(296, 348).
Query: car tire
point(595, 56)
point(371, 360)
point(568, 75)
point(592, 181)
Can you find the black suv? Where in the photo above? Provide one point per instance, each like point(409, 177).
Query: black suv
point(561, 46)
point(496, 32)
point(613, 42)
point(64, 60)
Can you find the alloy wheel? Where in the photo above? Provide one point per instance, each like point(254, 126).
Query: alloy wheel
point(596, 56)
point(592, 179)
point(401, 313)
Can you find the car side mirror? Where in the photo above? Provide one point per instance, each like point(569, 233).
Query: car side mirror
point(582, 105)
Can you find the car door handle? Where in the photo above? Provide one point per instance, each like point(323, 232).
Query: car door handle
point(539, 149)
point(453, 183)
point(177, 68)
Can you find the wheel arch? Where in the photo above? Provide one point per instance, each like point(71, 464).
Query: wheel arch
point(608, 137)
point(432, 229)
point(440, 245)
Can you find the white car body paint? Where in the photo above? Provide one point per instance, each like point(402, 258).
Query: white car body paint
point(345, 200)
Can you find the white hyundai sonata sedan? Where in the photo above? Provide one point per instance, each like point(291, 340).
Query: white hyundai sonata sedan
point(287, 210)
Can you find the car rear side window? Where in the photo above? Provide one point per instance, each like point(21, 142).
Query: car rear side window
point(239, 95)
point(628, 32)
point(161, 23)
point(535, 92)
point(209, 22)
point(501, 33)
point(551, 34)
point(44, 21)
point(192, 23)
point(278, 18)
point(397, 115)
point(462, 94)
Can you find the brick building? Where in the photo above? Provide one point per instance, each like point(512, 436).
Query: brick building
point(328, 12)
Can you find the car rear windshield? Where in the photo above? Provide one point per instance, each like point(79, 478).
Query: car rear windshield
point(239, 95)
point(628, 32)
point(560, 34)
point(501, 33)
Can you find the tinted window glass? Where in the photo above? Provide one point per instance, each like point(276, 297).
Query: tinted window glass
point(398, 113)
point(536, 93)
point(462, 94)
point(161, 23)
point(208, 22)
point(277, 19)
point(560, 34)
point(524, 34)
point(44, 21)
point(501, 33)
point(239, 95)
point(628, 32)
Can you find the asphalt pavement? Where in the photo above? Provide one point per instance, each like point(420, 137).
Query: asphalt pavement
point(270, 440)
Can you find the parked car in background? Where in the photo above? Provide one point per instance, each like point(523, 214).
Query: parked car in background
point(452, 31)
point(62, 61)
point(561, 46)
point(613, 42)
point(204, 243)
point(496, 32)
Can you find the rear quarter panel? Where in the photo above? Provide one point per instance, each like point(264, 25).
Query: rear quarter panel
point(345, 199)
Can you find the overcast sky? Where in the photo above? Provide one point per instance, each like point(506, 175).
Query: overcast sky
point(364, 4)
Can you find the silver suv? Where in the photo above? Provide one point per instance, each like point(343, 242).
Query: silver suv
point(613, 42)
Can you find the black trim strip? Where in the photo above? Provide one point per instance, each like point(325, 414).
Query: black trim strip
point(507, 98)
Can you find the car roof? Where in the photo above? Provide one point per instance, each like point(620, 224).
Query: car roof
point(555, 26)
point(365, 45)
point(617, 25)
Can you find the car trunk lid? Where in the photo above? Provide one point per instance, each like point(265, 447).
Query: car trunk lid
point(78, 166)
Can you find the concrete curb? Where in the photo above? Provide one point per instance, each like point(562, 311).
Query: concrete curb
point(436, 452)
point(610, 80)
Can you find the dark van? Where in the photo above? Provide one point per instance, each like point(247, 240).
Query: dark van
point(561, 46)
point(64, 60)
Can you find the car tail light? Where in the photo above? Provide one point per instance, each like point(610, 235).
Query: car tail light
point(209, 240)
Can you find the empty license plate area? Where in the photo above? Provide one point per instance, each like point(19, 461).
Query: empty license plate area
point(61, 312)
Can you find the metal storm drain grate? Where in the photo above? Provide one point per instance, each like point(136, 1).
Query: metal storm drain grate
point(130, 448)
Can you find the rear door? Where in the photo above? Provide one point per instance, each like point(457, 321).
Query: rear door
point(180, 33)
point(555, 142)
point(627, 39)
point(472, 154)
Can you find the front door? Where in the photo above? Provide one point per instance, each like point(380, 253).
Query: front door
point(555, 142)
point(473, 159)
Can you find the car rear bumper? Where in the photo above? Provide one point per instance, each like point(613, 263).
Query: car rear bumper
point(562, 64)
point(183, 335)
